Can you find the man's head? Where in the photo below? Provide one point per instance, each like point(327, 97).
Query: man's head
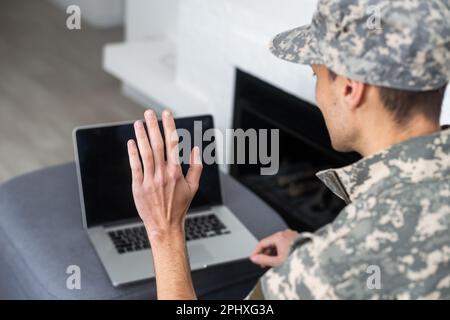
point(348, 105)
point(375, 60)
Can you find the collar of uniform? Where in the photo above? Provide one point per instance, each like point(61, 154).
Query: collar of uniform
point(419, 159)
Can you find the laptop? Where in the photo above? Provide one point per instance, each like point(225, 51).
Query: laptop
point(214, 234)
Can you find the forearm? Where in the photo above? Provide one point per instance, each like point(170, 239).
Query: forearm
point(162, 195)
point(173, 274)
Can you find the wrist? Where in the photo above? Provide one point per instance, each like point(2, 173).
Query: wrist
point(167, 236)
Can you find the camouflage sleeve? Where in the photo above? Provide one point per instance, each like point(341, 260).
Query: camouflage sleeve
point(257, 293)
point(317, 265)
point(381, 249)
point(299, 277)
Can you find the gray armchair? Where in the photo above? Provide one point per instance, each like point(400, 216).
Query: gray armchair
point(41, 235)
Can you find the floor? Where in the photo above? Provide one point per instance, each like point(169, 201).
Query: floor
point(51, 81)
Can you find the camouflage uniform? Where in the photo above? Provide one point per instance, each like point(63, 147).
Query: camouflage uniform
point(392, 241)
point(397, 220)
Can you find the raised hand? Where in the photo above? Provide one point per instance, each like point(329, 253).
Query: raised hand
point(161, 193)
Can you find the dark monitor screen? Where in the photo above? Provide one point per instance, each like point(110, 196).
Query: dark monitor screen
point(105, 173)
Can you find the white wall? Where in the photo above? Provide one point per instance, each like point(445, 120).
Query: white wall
point(215, 37)
point(150, 18)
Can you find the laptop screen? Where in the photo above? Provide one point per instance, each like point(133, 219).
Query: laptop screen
point(105, 174)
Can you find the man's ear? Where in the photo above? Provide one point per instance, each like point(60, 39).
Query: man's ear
point(353, 92)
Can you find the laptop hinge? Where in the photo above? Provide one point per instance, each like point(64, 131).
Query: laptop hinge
point(121, 222)
point(199, 209)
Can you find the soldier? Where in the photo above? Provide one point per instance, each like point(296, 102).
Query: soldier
point(380, 87)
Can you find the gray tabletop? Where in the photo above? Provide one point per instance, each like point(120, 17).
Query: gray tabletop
point(41, 235)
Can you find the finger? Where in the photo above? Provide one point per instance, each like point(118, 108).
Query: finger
point(156, 141)
point(195, 170)
point(263, 244)
point(171, 139)
point(135, 163)
point(264, 260)
point(144, 148)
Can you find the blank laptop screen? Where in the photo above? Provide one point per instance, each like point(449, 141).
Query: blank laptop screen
point(105, 174)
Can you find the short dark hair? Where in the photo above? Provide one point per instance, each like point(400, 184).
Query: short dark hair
point(403, 104)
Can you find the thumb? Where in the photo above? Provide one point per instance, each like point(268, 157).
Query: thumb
point(264, 260)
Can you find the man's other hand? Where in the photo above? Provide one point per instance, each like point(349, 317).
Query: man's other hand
point(273, 250)
point(161, 193)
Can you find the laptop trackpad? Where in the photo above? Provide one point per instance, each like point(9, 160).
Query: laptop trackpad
point(199, 254)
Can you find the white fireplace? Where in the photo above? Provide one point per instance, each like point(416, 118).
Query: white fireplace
point(183, 55)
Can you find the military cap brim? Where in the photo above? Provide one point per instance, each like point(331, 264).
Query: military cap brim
point(297, 45)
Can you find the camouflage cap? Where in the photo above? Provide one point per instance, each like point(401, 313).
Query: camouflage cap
point(401, 44)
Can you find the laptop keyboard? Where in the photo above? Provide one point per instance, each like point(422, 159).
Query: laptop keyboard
point(197, 227)
point(204, 226)
point(130, 239)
